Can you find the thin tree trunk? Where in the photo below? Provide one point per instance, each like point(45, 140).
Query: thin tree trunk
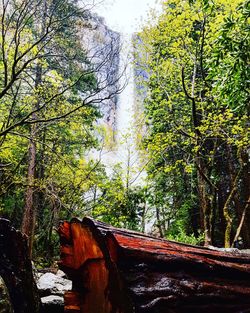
point(242, 220)
point(143, 219)
point(30, 210)
point(234, 178)
point(29, 216)
point(205, 206)
point(159, 222)
point(228, 218)
point(245, 196)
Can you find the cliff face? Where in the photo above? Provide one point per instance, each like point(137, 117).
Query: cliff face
point(102, 46)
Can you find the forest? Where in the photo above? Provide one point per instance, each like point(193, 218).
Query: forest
point(191, 130)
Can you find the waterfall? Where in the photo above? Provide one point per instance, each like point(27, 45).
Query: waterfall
point(125, 108)
point(126, 98)
point(126, 17)
point(123, 150)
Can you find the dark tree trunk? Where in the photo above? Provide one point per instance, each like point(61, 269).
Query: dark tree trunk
point(16, 270)
point(120, 271)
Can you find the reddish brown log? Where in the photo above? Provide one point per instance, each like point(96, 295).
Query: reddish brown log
point(72, 302)
point(120, 271)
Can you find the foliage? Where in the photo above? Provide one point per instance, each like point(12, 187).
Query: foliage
point(49, 90)
point(181, 236)
point(197, 116)
point(195, 66)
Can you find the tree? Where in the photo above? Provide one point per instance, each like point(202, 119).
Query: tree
point(26, 46)
point(48, 81)
point(229, 72)
point(189, 122)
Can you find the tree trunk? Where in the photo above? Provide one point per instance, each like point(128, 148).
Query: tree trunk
point(246, 194)
point(205, 204)
point(119, 271)
point(29, 216)
point(16, 270)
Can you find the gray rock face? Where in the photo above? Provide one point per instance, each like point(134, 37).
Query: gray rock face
point(5, 303)
point(51, 284)
point(102, 46)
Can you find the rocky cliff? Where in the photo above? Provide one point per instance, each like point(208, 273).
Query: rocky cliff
point(102, 46)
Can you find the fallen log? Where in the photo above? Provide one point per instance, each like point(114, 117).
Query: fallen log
point(120, 271)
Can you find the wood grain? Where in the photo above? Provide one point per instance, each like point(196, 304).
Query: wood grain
point(120, 271)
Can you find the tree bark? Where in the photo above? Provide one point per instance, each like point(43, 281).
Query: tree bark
point(30, 209)
point(245, 196)
point(120, 271)
point(205, 203)
point(29, 216)
point(16, 270)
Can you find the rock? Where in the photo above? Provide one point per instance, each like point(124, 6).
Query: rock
point(51, 284)
point(61, 274)
point(52, 304)
point(5, 303)
point(55, 300)
point(246, 251)
point(51, 287)
point(230, 250)
point(102, 45)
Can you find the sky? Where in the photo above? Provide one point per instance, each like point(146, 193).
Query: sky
point(125, 15)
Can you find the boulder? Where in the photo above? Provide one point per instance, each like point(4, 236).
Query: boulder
point(53, 284)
